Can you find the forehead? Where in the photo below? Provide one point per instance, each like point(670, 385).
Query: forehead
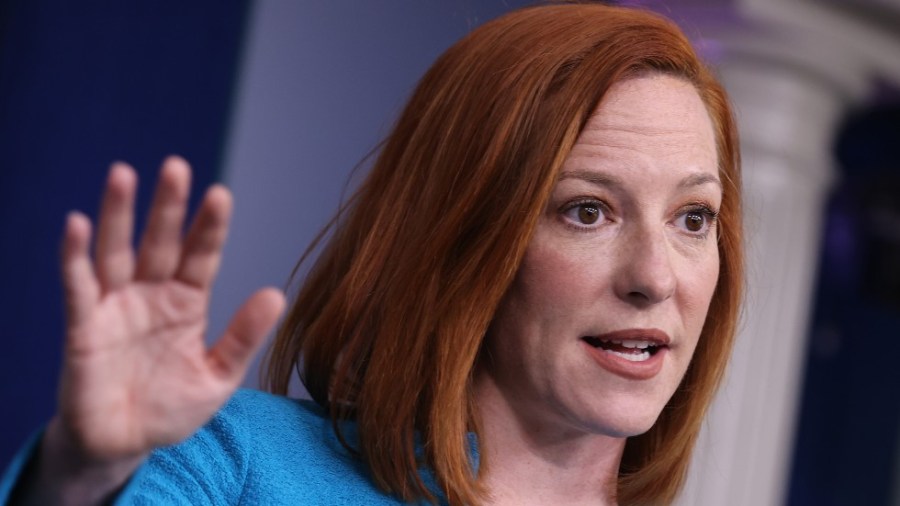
point(657, 122)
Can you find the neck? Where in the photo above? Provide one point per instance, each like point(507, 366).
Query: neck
point(530, 461)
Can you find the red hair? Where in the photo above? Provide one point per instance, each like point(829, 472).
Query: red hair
point(388, 325)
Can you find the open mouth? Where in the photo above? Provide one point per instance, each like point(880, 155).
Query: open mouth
point(634, 350)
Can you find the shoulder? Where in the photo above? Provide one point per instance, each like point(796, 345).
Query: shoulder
point(274, 427)
point(293, 442)
point(254, 410)
point(259, 429)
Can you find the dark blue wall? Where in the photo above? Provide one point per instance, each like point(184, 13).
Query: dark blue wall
point(83, 84)
point(846, 442)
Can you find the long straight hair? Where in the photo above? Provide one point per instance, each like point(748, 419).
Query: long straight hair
point(388, 324)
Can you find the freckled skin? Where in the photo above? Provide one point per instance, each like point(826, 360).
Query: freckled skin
point(645, 161)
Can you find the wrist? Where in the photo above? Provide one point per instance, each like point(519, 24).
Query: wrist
point(70, 476)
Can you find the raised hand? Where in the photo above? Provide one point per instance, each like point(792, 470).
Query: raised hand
point(137, 374)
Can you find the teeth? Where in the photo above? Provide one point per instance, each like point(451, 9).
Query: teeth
point(630, 343)
point(633, 357)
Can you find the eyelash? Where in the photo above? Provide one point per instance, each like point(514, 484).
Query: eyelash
point(710, 215)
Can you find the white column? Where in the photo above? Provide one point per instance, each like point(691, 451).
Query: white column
point(790, 88)
point(787, 117)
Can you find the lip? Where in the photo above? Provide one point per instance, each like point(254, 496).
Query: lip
point(626, 368)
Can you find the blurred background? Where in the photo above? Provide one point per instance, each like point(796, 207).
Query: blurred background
point(281, 100)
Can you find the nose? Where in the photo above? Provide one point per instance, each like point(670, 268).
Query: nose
point(645, 274)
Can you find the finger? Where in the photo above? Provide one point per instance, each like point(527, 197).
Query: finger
point(82, 290)
point(161, 244)
point(231, 355)
point(114, 254)
point(202, 251)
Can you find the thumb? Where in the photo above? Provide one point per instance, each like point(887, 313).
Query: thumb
point(231, 355)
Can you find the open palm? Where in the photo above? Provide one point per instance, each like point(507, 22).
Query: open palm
point(137, 374)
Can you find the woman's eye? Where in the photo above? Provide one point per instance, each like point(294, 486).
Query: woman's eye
point(586, 213)
point(697, 221)
point(694, 221)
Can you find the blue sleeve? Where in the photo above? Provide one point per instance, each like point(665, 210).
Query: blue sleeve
point(13, 473)
point(209, 468)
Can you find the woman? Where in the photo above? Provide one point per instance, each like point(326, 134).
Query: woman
point(531, 299)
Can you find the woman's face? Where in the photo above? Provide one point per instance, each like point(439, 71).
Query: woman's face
point(599, 326)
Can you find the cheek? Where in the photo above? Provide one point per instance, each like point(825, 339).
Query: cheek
point(709, 276)
point(554, 280)
point(538, 310)
point(699, 284)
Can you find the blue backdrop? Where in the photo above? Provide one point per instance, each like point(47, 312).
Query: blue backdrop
point(82, 84)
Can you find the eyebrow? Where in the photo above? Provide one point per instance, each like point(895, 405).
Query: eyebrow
point(602, 179)
point(597, 178)
point(699, 180)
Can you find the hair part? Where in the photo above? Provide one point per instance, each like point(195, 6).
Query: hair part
point(389, 322)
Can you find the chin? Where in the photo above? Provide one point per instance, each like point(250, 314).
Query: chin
point(627, 420)
point(628, 428)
